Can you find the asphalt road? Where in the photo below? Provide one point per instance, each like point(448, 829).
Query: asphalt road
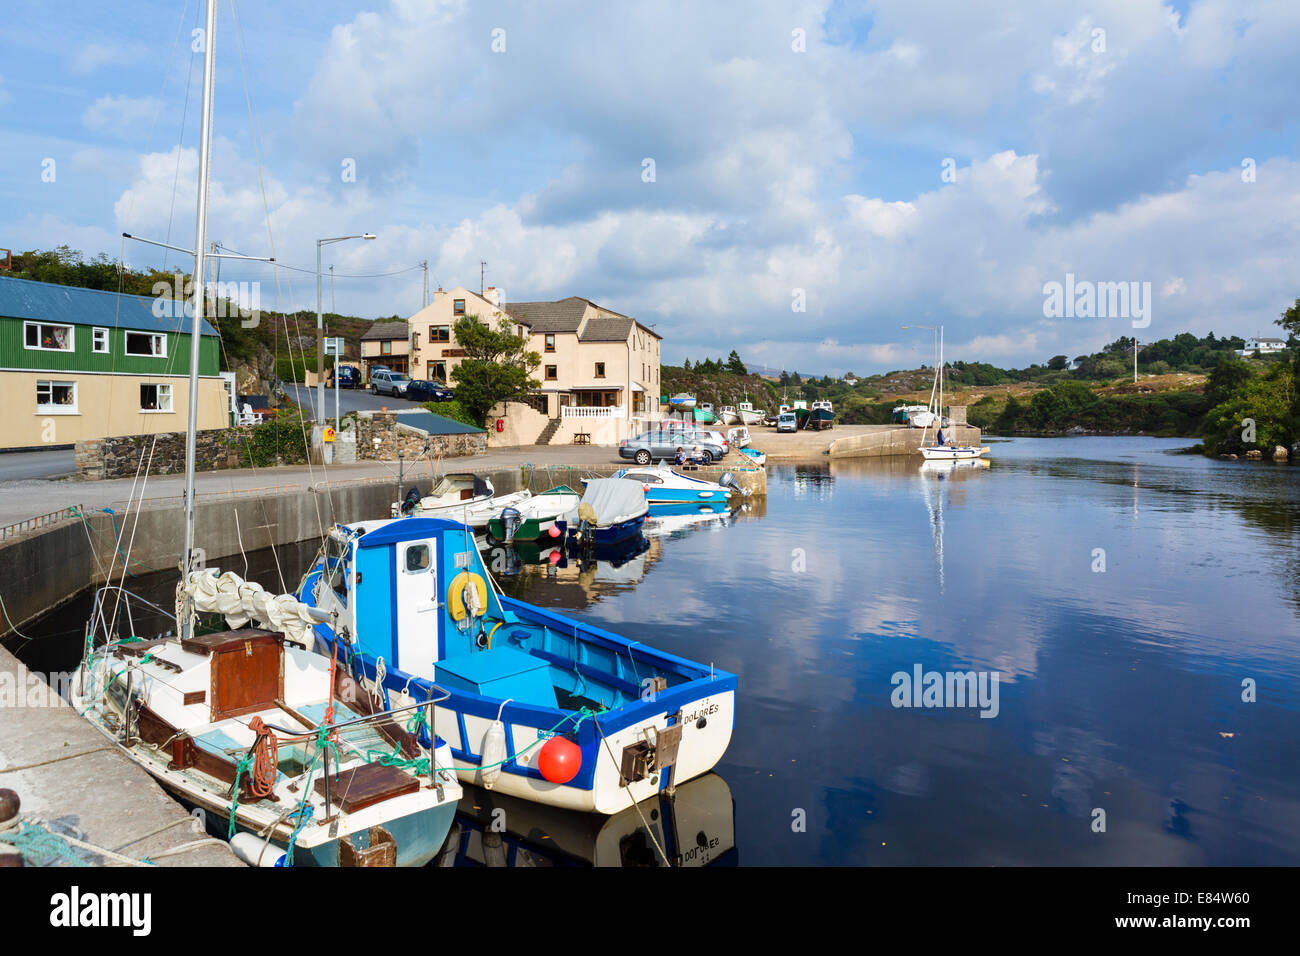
point(350, 400)
point(21, 465)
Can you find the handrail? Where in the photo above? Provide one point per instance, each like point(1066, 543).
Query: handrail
point(40, 521)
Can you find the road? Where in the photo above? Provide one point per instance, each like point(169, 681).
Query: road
point(21, 465)
point(350, 400)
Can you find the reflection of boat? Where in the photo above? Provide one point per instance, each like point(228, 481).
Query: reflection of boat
point(460, 496)
point(693, 827)
point(661, 485)
point(542, 706)
point(533, 517)
point(672, 518)
point(822, 415)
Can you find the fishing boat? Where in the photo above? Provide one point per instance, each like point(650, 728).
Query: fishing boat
point(748, 414)
point(661, 485)
point(610, 510)
point(541, 706)
point(255, 727)
point(462, 496)
point(728, 415)
point(535, 517)
point(742, 441)
point(682, 401)
point(944, 449)
point(251, 724)
point(704, 414)
point(822, 415)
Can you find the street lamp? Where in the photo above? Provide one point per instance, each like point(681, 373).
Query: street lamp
point(320, 325)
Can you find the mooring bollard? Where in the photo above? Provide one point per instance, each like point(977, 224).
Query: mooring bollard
point(9, 807)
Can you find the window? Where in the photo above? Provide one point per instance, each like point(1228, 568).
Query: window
point(439, 333)
point(552, 372)
point(51, 338)
point(438, 371)
point(385, 348)
point(600, 370)
point(550, 343)
point(152, 344)
point(99, 340)
point(155, 398)
point(56, 398)
point(415, 341)
point(417, 558)
point(458, 306)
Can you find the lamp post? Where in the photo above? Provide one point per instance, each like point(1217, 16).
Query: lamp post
point(320, 325)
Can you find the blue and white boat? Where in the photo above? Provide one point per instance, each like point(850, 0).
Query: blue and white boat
point(610, 511)
point(661, 485)
point(541, 706)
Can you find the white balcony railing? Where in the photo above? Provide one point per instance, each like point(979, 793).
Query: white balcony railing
point(591, 411)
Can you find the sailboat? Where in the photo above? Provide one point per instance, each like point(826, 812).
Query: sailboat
point(250, 724)
point(942, 450)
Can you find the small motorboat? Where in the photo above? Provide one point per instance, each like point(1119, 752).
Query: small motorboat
point(741, 440)
point(535, 517)
point(610, 510)
point(661, 485)
point(541, 706)
point(682, 401)
point(728, 415)
point(460, 496)
point(255, 727)
point(749, 415)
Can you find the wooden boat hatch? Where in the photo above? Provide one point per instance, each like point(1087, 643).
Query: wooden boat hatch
point(367, 785)
point(247, 670)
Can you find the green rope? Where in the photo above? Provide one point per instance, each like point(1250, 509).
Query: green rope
point(42, 847)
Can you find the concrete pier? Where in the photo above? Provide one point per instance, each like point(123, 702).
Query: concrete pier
point(64, 770)
point(890, 440)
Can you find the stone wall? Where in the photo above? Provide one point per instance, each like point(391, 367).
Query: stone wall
point(410, 442)
point(120, 457)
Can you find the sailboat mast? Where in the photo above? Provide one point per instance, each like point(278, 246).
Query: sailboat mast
point(196, 321)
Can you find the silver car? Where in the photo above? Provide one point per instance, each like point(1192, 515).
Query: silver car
point(389, 383)
point(649, 446)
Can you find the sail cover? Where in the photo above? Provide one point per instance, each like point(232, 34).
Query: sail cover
point(242, 602)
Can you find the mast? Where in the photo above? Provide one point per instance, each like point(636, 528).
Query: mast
point(196, 322)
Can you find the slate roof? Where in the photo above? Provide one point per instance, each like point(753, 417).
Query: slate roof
point(606, 330)
point(386, 330)
point(433, 424)
point(562, 316)
point(71, 305)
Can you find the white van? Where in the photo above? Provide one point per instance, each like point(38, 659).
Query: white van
point(786, 422)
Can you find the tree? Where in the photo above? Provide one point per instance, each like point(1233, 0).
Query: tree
point(497, 366)
point(686, 365)
point(1057, 362)
point(734, 365)
point(1261, 408)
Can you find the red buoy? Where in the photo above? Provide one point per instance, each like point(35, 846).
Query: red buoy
point(553, 531)
point(559, 760)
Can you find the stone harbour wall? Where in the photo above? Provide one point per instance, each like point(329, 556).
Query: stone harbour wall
point(121, 456)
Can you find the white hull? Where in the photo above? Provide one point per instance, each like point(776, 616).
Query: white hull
point(953, 453)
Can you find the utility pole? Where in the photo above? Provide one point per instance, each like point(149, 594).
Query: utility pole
point(1135, 359)
point(332, 309)
point(482, 273)
point(425, 264)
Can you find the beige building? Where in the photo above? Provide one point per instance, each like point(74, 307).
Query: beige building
point(387, 344)
point(596, 364)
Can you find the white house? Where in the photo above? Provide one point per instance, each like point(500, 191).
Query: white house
point(1263, 346)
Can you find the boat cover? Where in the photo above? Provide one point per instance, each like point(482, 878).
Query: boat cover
point(242, 602)
point(608, 501)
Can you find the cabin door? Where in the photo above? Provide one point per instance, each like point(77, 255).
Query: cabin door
point(418, 607)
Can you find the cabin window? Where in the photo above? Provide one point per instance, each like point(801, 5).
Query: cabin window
point(146, 343)
point(552, 372)
point(99, 341)
point(155, 398)
point(56, 398)
point(418, 558)
point(50, 338)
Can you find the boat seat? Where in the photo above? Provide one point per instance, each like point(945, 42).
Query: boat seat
point(501, 672)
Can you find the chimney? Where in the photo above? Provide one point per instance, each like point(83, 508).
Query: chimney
point(492, 295)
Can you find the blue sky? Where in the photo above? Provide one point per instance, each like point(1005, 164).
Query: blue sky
point(797, 146)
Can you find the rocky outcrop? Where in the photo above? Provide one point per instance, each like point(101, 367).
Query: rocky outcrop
point(1279, 453)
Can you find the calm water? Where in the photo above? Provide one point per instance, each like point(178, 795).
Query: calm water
point(1120, 690)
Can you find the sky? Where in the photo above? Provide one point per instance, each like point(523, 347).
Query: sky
point(793, 180)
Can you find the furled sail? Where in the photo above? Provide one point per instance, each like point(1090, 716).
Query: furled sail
point(242, 602)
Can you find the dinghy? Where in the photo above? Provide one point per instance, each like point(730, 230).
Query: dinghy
point(542, 706)
point(610, 510)
point(534, 517)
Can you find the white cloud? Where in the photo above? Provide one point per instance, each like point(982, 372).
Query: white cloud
point(121, 115)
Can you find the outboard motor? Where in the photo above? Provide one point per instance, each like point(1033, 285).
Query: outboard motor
point(511, 519)
point(411, 502)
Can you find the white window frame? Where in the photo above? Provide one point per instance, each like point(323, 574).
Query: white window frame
point(126, 347)
point(53, 409)
point(95, 341)
point(171, 400)
point(72, 336)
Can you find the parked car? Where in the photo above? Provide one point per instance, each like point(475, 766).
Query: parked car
point(349, 377)
point(420, 390)
point(694, 433)
point(786, 422)
point(648, 446)
point(389, 383)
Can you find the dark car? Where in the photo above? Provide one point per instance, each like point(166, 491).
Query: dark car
point(349, 377)
point(428, 391)
point(648, 446)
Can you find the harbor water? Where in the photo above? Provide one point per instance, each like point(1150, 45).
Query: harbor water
point(1130, 616)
